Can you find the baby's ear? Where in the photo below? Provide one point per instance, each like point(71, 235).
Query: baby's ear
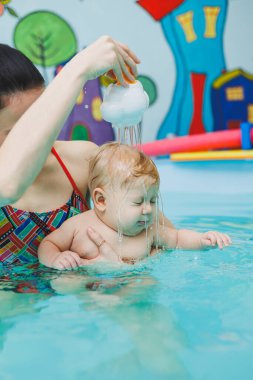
point(99, 199)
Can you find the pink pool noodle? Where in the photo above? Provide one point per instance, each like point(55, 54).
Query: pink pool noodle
point(213, 140)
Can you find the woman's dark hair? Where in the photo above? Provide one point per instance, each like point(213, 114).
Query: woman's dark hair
point(17, 73)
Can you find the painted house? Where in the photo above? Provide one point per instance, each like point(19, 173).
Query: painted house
point(194, 31)
point(232, 99)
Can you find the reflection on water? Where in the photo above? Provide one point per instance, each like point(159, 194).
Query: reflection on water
point(179, 315)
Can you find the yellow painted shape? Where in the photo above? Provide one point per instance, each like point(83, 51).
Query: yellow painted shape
point(95, 108)
point(105, 81)
point(250, 113)
point(211, 14)
point(4, 2)
point(235, 93)
point(80, 98)
point(185, 20)
point(213, 155)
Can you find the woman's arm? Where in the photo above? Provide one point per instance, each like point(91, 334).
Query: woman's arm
point(40, 125)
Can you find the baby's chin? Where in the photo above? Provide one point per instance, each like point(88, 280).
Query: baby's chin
point(137, 230)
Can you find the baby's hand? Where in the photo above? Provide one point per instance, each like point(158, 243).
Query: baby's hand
point(211, 239)
point(67, 260)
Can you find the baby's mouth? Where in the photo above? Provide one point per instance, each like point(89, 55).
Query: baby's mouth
point(144, 222)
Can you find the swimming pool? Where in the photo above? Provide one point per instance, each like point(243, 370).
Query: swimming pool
point(180, 315)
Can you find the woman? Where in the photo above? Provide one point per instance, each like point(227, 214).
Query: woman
point(43, 182)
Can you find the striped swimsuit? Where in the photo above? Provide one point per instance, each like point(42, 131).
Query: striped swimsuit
point(22, 231)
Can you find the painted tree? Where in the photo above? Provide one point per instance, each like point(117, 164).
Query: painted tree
point(46, 38)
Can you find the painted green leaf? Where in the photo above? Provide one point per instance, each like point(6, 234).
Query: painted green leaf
point(11, 11)
point(45, 38)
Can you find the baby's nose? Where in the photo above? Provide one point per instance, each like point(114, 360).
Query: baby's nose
point(147, 209)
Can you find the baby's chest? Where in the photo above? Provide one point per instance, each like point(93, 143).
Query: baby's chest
point(134, 248)
point(82, 245)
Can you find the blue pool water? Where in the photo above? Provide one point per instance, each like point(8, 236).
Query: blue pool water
point(179, 315)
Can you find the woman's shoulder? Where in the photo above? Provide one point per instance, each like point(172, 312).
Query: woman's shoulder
point(76, 156)
point(81, 150)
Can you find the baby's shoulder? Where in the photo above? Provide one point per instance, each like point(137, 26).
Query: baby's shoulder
point(79, 221)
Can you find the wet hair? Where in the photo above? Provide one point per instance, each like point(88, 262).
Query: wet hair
point(17, 74)
point(119, 165)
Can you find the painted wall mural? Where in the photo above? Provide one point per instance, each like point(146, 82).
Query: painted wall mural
point(194, 31)
point(5, 7)
point(48, 40)
point(191, 87)
point(85, 121)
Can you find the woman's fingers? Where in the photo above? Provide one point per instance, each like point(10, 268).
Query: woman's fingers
point(127, 68)
point(119, 74)
point(95, 236)
point(129, 52)
point(125, 63)
point(105, 250)
point(129, 62)
point(106, 54)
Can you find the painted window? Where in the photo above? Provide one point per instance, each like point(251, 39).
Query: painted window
point(211, 14)
point(250, 113)
point(185, 20)
point(235, 93)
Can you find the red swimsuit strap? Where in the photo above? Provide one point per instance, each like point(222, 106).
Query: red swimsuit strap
point(70, 178)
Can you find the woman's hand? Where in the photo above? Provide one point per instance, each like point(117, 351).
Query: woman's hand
point(71, 260)
point(106, 54)
point(106, 253)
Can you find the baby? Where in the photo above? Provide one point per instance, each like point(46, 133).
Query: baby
point(124, 186)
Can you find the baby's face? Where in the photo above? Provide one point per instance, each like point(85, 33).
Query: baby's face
point(132, 210)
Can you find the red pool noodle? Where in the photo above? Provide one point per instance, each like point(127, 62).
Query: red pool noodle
point(207, 141)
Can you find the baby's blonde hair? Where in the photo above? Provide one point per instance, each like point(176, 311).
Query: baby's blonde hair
point(119, 165)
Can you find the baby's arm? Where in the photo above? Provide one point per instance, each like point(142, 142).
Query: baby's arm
point(187, 239)
point(58, 251)
point(54, 250)
point(164, 221)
